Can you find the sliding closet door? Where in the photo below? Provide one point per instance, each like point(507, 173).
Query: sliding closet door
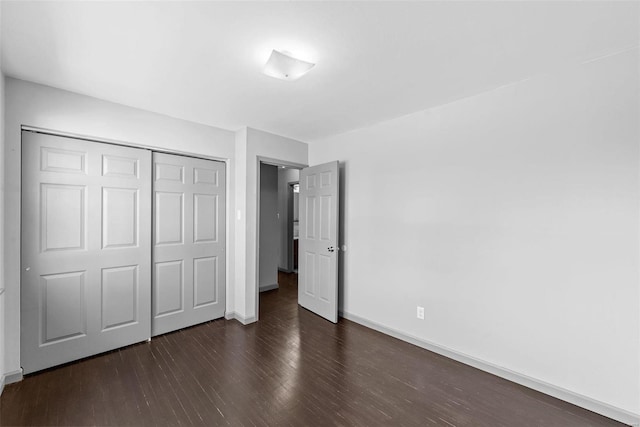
point(188, 242)
point(86, 249)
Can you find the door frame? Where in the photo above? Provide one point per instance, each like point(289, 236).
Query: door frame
point(273, 162)
point(130, 144)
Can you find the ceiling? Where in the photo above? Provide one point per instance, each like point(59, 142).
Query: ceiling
point(201, 61)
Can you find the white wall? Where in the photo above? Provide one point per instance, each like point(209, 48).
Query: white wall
point(2, 207)
point(285, 176)
point(513, 218)
point(45, 107)
point(239, 290)
point(269, 243)
point(254, 145)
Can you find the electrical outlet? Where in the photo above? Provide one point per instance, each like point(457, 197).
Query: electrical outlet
point(420, 313)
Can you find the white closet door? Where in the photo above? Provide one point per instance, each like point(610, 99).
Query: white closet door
point(188, 242)
point(86, 249)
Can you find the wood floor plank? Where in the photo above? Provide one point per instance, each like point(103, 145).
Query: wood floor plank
point(292, 368)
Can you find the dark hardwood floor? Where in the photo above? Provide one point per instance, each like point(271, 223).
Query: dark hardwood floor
point(290, 368)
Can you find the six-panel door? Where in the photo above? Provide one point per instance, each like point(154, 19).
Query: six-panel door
point(318, 240)
point(188, 242)
point(86, 249)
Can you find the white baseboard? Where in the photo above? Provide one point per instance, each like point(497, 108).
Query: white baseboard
point(268, 287)
point(593, 405)
point(244, 320)
point(10, 378)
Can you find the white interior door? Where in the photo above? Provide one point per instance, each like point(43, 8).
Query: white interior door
point(318, 240)
point(86, 249)
point(188, 242)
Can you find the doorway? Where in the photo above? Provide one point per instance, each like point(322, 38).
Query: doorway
point(277, 219)
point(318, 235)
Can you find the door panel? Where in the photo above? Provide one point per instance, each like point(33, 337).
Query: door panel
point(63, 309)
point(119, 217)
point(169, 172)
point(63, 217)
point(203, 270)
point(60, 160)
point(168, 288)
point(86, 249)
point(125, 167)
point(119, 296)
point(318, 240)
point(205, 230)
point(205, 176)
point(169, 210)
point(189, 239)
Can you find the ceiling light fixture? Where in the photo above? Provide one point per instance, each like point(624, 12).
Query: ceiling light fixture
point(282, 65)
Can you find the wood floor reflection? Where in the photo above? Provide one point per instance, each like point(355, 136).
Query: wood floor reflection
point(290, 368)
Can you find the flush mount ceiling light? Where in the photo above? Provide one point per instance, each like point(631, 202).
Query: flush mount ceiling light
point(282, 65)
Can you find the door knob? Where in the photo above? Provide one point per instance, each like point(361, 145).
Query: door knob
point(331, 249)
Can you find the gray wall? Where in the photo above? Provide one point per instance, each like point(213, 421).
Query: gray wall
point(512, 218)
point(269, 241)
point(285, 176)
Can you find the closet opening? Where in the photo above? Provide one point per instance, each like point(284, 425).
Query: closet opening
point(118, 244)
